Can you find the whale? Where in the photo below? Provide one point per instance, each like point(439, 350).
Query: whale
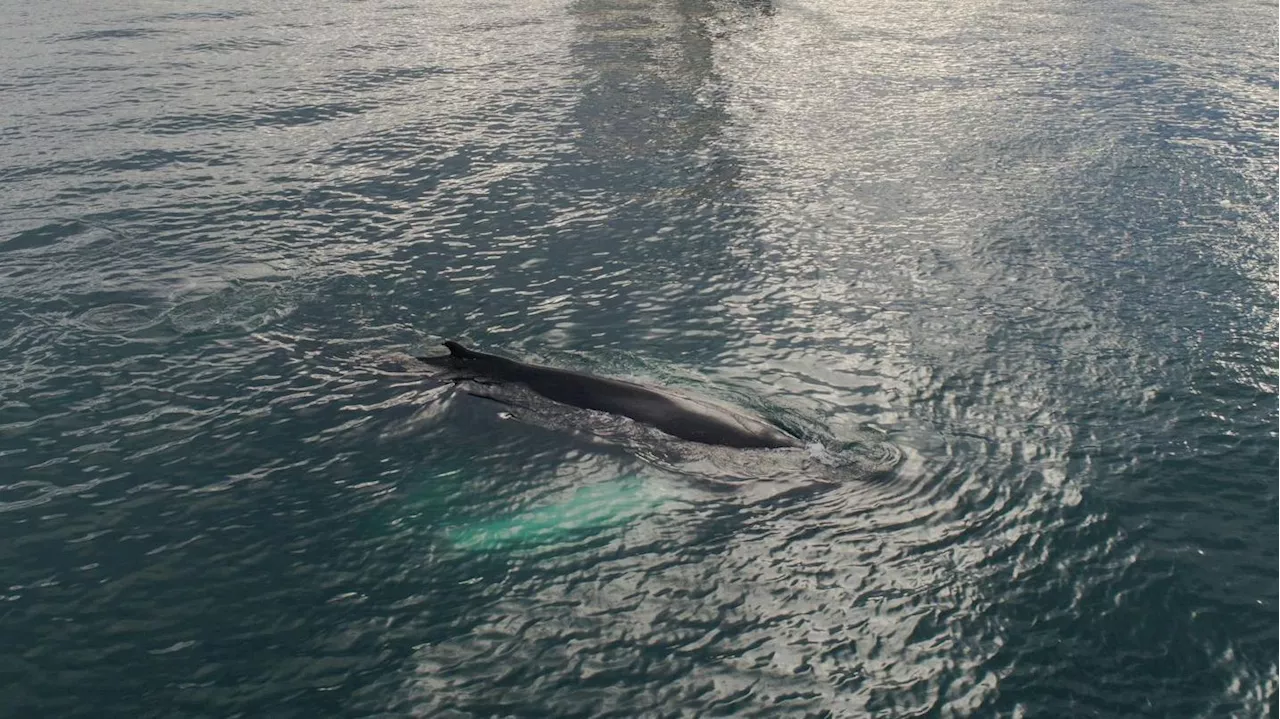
point(674, 413)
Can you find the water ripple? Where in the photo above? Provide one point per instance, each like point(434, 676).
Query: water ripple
point(1023, 255)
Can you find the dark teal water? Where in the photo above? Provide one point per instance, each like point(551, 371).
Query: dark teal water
point(1031, 245)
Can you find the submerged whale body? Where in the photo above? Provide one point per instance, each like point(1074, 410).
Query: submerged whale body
point(677, 415)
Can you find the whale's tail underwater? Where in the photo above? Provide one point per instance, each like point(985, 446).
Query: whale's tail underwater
point(676, 414)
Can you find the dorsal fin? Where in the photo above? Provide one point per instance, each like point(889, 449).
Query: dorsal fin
point(458, 350)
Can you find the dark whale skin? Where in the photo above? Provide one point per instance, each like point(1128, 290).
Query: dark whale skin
point(680, 416)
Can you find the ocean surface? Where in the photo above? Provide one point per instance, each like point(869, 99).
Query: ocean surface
point(1022, 254)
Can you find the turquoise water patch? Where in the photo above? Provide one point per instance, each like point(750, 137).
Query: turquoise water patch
point(587, 511)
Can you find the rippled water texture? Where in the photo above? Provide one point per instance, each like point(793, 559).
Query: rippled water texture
point(1031, 246)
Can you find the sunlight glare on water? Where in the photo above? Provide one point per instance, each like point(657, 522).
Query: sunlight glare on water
point(1009, 270)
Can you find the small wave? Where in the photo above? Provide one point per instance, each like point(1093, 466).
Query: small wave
point(237, 307)
point(119, 318)
point(112, 34)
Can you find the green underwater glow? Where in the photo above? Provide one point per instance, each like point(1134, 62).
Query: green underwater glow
point(587, 511)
